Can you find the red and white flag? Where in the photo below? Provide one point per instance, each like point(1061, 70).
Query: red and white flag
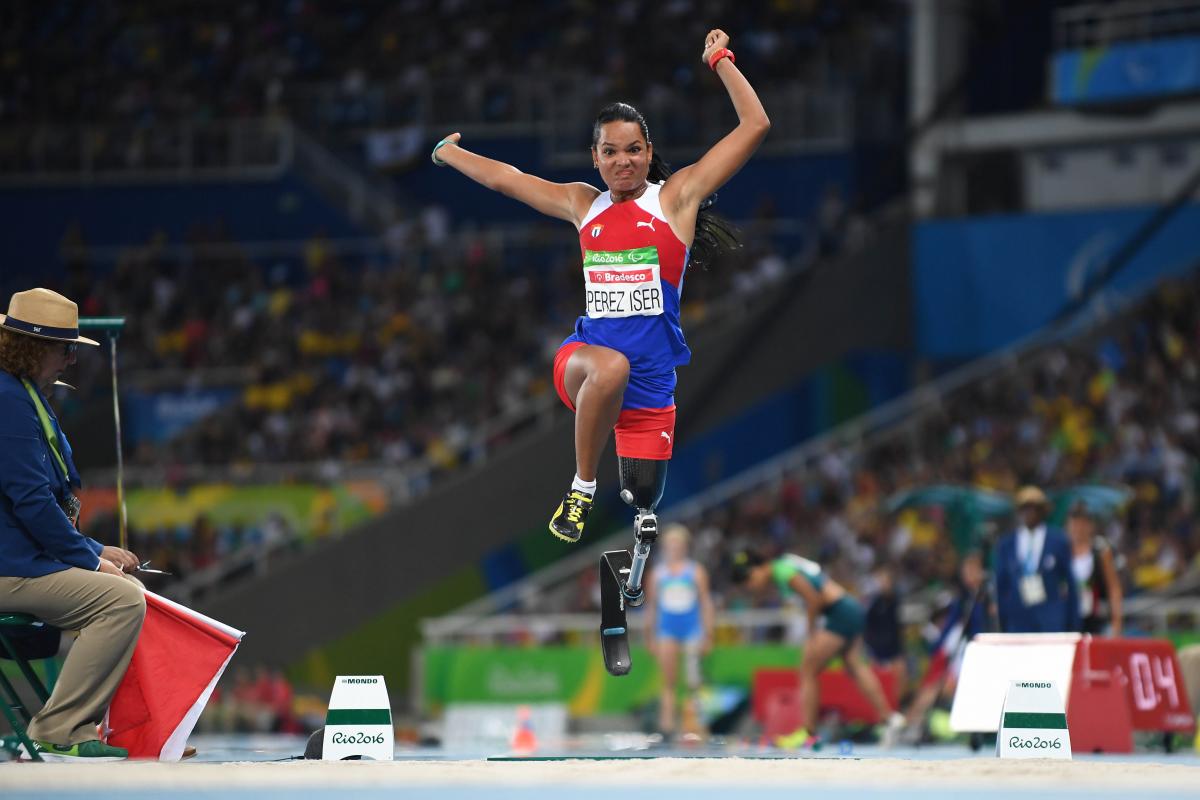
point(179, 658)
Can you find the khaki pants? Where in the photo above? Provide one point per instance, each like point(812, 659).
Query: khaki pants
point(107, 611)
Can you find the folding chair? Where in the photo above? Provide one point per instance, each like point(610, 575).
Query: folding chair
point(15, 711)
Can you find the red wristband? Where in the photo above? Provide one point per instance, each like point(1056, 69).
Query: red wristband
point(724, 52)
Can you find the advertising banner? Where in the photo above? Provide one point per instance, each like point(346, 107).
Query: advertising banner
point(982, 283)
point(575, 675)
point(1126, 71)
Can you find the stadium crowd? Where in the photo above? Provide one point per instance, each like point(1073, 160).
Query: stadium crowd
point(205, 61)
point(403, 359)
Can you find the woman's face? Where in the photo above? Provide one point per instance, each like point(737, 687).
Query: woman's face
point(622, 155)
point(675, 548)
point(1080, 529)
point(759, 579)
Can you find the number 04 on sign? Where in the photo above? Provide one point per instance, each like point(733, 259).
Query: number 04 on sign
point(1033, 722)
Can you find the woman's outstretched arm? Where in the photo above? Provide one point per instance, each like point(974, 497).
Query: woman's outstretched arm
point(567, 201)
point(690, 185)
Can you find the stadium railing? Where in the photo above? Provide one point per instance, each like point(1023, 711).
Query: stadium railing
point(803, 119)
point(559, 109)
point(1098, 24)
point(488, 630)
point(1156, 613)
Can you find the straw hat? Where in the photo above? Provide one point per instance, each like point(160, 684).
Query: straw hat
point(44, 314)
point(1032, 496)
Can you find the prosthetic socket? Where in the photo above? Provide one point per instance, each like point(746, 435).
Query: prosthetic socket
point(642, 483)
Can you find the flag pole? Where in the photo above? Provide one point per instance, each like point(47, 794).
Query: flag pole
point(113, 327)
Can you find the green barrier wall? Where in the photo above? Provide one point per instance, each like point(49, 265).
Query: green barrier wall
point(574, 676)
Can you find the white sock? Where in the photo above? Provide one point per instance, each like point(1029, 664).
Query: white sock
point(580, 485)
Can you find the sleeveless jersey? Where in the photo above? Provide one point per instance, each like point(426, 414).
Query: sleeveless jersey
point(787, 566)
point(678, 602)
point(633, 267)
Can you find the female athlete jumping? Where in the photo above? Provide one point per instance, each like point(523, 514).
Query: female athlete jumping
point(617, 370)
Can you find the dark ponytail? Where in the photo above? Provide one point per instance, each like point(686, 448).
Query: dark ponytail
point(715, 236)
point(743, 563)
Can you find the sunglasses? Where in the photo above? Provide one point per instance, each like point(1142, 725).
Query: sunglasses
point(70, 348)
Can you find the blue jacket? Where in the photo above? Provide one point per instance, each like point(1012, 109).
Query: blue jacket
point(1060, 610)
point(36, 538)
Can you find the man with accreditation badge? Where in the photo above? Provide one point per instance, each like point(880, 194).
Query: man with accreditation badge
point(1035, 588)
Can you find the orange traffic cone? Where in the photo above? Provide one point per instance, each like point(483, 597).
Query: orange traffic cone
point(524, 741)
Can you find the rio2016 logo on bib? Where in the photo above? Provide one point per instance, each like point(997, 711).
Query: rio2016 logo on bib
point(622, 283)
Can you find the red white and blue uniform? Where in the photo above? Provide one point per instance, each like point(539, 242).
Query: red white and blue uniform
point(633, 265)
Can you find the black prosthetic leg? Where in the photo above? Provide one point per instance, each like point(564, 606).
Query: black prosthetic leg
point(642, 484)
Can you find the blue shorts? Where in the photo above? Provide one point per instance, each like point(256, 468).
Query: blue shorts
point(644, 389)
point(685, 629)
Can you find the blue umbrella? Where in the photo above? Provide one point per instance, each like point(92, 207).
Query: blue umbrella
point(1099, 500)
point(982, 502)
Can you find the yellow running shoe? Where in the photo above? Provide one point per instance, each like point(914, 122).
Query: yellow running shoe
point(796, 740)
point(567, 522)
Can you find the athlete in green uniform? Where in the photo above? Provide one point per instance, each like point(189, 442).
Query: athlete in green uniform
point(801, 580)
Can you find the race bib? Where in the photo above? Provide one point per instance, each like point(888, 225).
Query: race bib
point(678, 598)
point(622, 283)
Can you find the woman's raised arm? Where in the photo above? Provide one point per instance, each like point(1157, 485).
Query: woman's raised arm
point(688, 187)
point(567, 201)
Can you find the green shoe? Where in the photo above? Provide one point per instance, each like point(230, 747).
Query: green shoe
point(90, 751)
point(568, 519)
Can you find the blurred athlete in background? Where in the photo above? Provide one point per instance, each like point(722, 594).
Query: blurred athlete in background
point(799, 580)
point(679, 621)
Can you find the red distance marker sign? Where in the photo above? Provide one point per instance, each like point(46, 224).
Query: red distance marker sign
point(1148, 672)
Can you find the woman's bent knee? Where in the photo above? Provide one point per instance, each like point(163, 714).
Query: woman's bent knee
point(610, 374)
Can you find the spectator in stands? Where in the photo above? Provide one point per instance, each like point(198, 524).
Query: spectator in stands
point(1035, 588)
point(48, 568)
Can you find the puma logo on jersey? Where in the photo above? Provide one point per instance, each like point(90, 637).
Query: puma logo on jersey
point(665, 435)
point(649, 224)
